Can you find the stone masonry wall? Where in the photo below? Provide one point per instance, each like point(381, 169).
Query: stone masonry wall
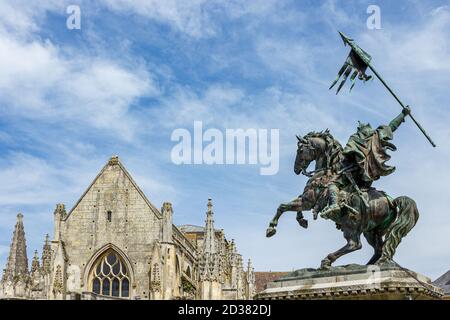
point(134, 228)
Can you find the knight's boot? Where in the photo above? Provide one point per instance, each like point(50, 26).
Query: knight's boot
point(333, 207)
point(330, 211)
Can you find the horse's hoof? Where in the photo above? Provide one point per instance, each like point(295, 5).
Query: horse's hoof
point(270, 232)
point(303, 223)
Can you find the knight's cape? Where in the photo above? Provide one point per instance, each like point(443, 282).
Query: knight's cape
point(369, 152)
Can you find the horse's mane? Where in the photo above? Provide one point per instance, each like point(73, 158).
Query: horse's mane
point(334, 148)
point(327, 136)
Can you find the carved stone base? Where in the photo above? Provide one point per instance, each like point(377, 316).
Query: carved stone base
point(352, 282)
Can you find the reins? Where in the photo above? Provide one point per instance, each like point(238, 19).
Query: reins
point(329, 158)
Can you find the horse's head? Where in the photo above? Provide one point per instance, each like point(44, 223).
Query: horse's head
point(315, 146)
point(306, 153)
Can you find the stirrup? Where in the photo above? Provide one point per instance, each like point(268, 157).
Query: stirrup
point(329, 211)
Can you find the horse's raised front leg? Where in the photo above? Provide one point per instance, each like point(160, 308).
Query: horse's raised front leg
point(294, 205)
point(353, 244)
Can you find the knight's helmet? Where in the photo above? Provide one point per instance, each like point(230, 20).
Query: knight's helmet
point(364, 128)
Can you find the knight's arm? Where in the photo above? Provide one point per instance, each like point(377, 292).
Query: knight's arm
point(394, 124)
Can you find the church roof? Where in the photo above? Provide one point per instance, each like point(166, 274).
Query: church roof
point(444, 282)
point(114, 160)
point(190, 228)
point(263, 278)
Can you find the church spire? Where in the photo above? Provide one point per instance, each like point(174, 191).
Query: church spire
point(250, 286)
point(209, 243)
point(35, 263)
point(210, 261)
point(250, 272)
point(46, 255)
point(17, 264)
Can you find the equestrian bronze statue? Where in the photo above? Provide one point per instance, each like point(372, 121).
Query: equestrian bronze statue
point(340, 189)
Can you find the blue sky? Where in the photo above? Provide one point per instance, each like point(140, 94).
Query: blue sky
point(137, 70)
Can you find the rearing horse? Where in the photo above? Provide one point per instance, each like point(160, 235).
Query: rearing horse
point(384, 222)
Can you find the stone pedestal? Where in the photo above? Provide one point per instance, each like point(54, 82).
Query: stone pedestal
point(352, 282)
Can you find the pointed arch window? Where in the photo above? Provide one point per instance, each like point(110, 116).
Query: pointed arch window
point(110, 276)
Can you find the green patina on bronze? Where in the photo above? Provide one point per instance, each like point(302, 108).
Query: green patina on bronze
point(340, 187)
point(358, 61)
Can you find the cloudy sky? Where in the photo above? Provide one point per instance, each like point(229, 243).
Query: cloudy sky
point(137, 70)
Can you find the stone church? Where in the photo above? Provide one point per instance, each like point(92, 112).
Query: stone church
point(115, 244)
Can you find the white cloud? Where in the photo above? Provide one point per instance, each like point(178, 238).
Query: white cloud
point(226, 106)
point(282, 55)
point(49, 83)
point(415, 61)
point(334, 15)
point(28, 180)
point(420, 47)
point(195, 18)
point(39, 81)
point(186, 16)
point(23, 17)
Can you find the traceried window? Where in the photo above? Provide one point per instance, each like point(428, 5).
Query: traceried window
point(110, 276)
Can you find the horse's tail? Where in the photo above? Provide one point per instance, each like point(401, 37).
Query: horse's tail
point(407, 216)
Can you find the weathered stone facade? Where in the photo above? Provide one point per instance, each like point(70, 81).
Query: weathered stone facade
point(16, 278)
point(114, 244)
point(221, 268)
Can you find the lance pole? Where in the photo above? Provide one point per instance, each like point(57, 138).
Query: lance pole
point(365, 57)
point(401, 103)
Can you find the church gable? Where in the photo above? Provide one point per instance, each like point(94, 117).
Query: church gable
point(112, 210)
point(114, 179)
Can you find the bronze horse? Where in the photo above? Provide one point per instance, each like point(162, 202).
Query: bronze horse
point(384, 222)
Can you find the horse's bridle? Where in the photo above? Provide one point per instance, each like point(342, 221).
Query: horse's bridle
point(309, 174)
